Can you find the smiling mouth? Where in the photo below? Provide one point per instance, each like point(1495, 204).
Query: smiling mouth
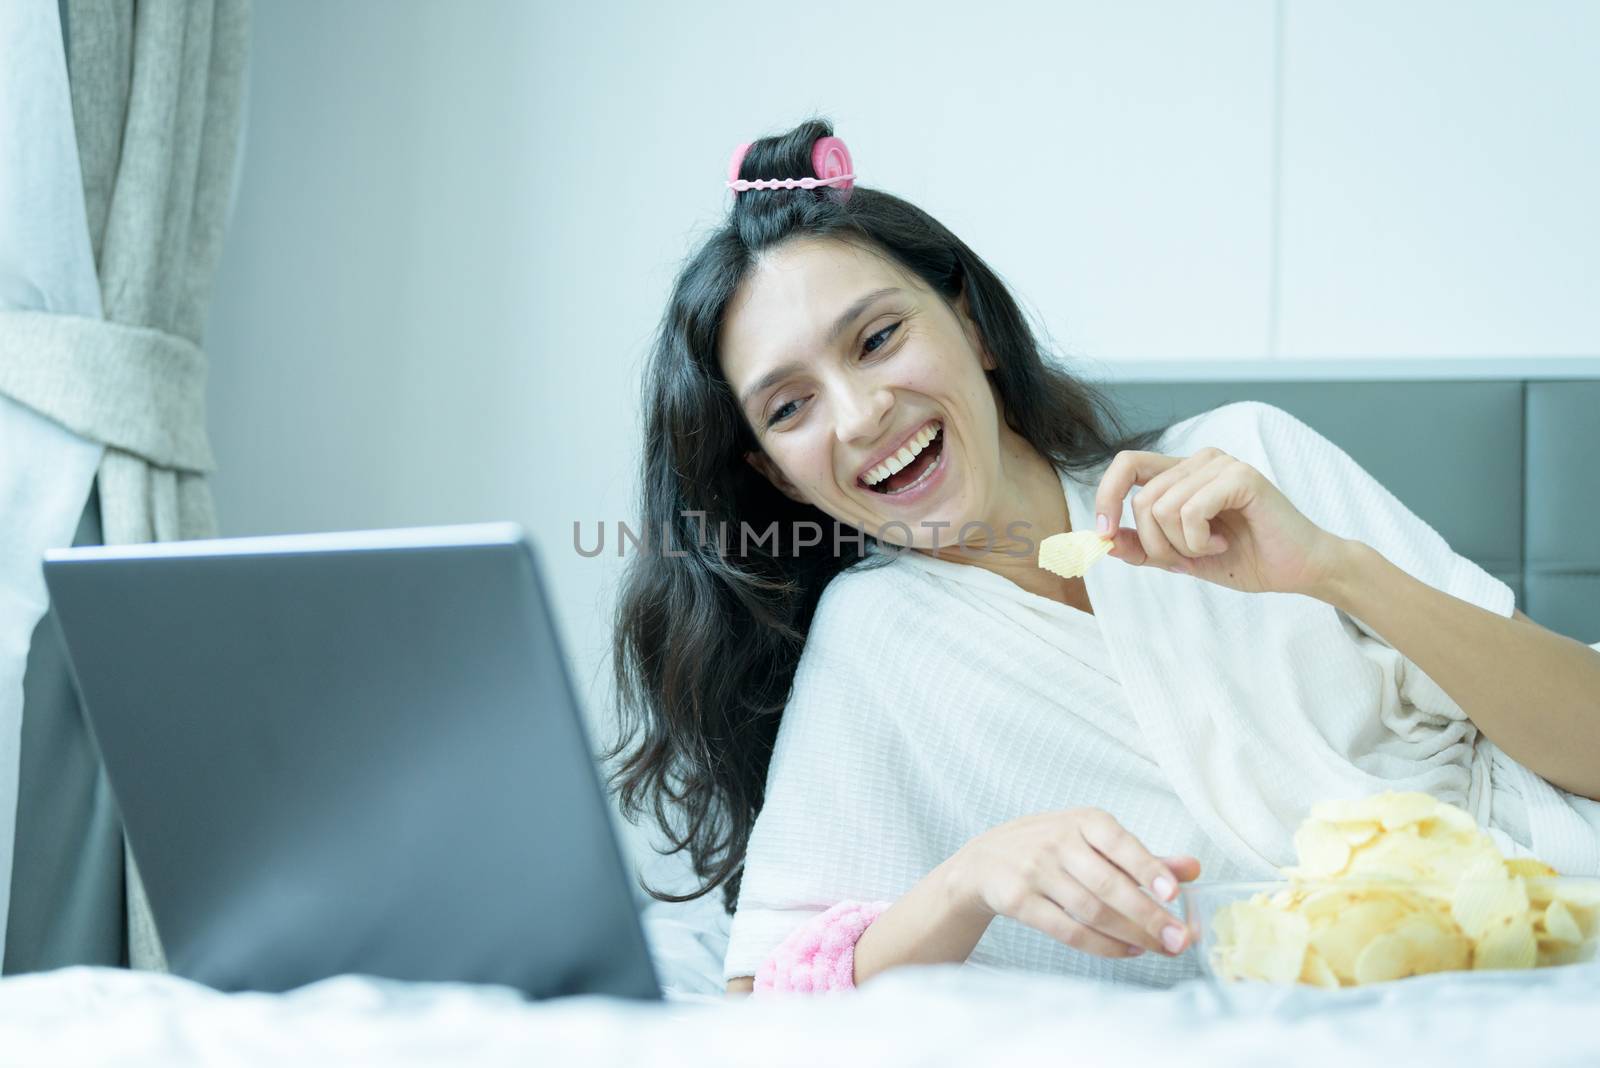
point(895, 475)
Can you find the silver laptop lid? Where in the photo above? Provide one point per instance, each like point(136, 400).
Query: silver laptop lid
point(355, 752)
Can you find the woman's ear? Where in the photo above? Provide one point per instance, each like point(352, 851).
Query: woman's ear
point(761, 462)
point(964, 313)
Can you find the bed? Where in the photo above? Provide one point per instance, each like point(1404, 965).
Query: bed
point(932, 1015)
point(1491, 459)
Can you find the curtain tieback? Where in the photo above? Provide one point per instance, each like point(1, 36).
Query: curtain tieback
point(131, 387)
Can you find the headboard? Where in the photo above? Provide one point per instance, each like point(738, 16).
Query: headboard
point(1499, 458)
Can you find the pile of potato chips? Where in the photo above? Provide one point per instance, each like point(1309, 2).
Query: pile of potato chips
point(1402, 884)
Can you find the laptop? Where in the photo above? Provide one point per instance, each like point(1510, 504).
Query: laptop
point(352, 753)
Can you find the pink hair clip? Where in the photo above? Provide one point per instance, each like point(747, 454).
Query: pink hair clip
point(830, 162)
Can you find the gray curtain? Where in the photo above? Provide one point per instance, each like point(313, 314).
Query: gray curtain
point(156, 99)
point(68, 893)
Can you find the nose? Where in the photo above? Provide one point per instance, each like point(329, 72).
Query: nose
point(863, 412)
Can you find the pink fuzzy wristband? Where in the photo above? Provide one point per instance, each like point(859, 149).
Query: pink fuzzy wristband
point(821, 954)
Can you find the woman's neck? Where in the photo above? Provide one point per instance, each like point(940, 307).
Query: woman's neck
point(1031, 494)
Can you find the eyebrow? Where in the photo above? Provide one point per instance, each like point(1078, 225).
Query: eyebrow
point(850, 315)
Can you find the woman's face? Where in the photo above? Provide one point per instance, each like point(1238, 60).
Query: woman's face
point(845, 365)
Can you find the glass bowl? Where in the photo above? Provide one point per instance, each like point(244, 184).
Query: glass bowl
point(1354, 932)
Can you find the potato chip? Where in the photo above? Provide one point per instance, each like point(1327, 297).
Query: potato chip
point(1323, 903)
point(1485, 865)
point(1269, 944)
point(1442, 860)
point(1402, 884)
point(1396, 810)
point(1340, 936)
point(1388, 956)
point(1424, 942)
point(1456, 819)
point(1070, 555)
point(1561, 925)
point(1508, 944)
point(1588, 919)
point(1481, 906)
point(1580, 895)
point(1323, 851)
point(1439, 942)
point(1315, 971)
point(1557, 954)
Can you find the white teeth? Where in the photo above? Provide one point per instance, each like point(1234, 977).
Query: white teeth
point(899, 460)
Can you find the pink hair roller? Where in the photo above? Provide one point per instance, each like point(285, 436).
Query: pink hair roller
point(830, 162)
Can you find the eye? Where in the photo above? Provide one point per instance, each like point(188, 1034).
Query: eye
point(779, 416)
point(884, 334)
point(872, 344)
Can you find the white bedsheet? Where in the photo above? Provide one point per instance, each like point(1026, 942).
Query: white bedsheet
point(944, 1014)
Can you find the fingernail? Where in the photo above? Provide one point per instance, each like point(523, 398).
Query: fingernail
point(1179, 569)
point(1102, 522)
point(1217, 543)
point(1134, 951)
point(1163, 887)
point(1172, 938)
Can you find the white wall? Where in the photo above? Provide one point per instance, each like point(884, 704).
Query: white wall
point(457, 222)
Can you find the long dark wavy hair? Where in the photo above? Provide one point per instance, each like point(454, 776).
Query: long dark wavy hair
point(708, 636)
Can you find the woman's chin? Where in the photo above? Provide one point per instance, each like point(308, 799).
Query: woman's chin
point(933, 530)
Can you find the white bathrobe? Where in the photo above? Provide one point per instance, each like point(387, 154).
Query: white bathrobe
point(935, 700)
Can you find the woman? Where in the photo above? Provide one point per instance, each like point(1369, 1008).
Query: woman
point(878, 754)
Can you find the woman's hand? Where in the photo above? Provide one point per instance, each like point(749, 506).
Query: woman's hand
point(1218, 519)
point(1076, 875)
